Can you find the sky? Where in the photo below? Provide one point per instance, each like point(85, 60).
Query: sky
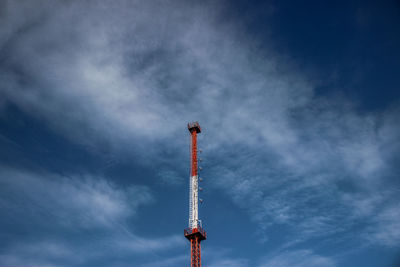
point(299, 108)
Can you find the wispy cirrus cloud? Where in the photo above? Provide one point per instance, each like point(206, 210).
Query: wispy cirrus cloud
point(385, 230)
point(222, 256)
point(180, 260)
point(284, 154)
point(170, 177)
point(70, 201)
point(72, 220)
point(44, 253)
point(298, 258)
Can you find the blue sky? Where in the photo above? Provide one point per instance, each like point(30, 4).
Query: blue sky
point(299, 106)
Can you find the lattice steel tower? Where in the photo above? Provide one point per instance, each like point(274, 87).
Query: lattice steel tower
point(195, 232)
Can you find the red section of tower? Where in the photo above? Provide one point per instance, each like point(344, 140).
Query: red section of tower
point(194, 128)
point(195, 234)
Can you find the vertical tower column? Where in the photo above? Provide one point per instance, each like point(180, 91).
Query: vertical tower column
point(195, 252)
point(194, 166)
point(194, 233)
point(194, 129)
point(194, 181)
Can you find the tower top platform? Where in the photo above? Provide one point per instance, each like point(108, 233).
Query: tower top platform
point(198, 232)
point(194, 126)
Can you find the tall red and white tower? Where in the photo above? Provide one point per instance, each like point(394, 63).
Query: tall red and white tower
point(195, 232)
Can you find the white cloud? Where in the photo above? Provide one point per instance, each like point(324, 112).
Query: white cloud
point(229, 263)
point(169, 177)
point(298, 258)
point(16, 261)
point(386, 229)
point(222, 256)
point(72, 201)
point(135, 78)
point(67, 252)
point(32, 254)
point(141, 245)
point(180, 260)
point(74, 220)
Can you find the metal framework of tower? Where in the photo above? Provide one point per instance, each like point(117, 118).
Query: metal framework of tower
point(195, 232)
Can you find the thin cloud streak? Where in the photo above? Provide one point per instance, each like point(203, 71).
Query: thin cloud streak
point(298, 258)
point(295, 159)
point(53, 206)
point(95, 202)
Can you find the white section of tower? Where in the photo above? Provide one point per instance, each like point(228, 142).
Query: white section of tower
point(194, 202)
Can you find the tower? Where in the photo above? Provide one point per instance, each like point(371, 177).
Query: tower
point(194, 233)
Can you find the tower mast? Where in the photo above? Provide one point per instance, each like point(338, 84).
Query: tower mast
point(194, 233)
